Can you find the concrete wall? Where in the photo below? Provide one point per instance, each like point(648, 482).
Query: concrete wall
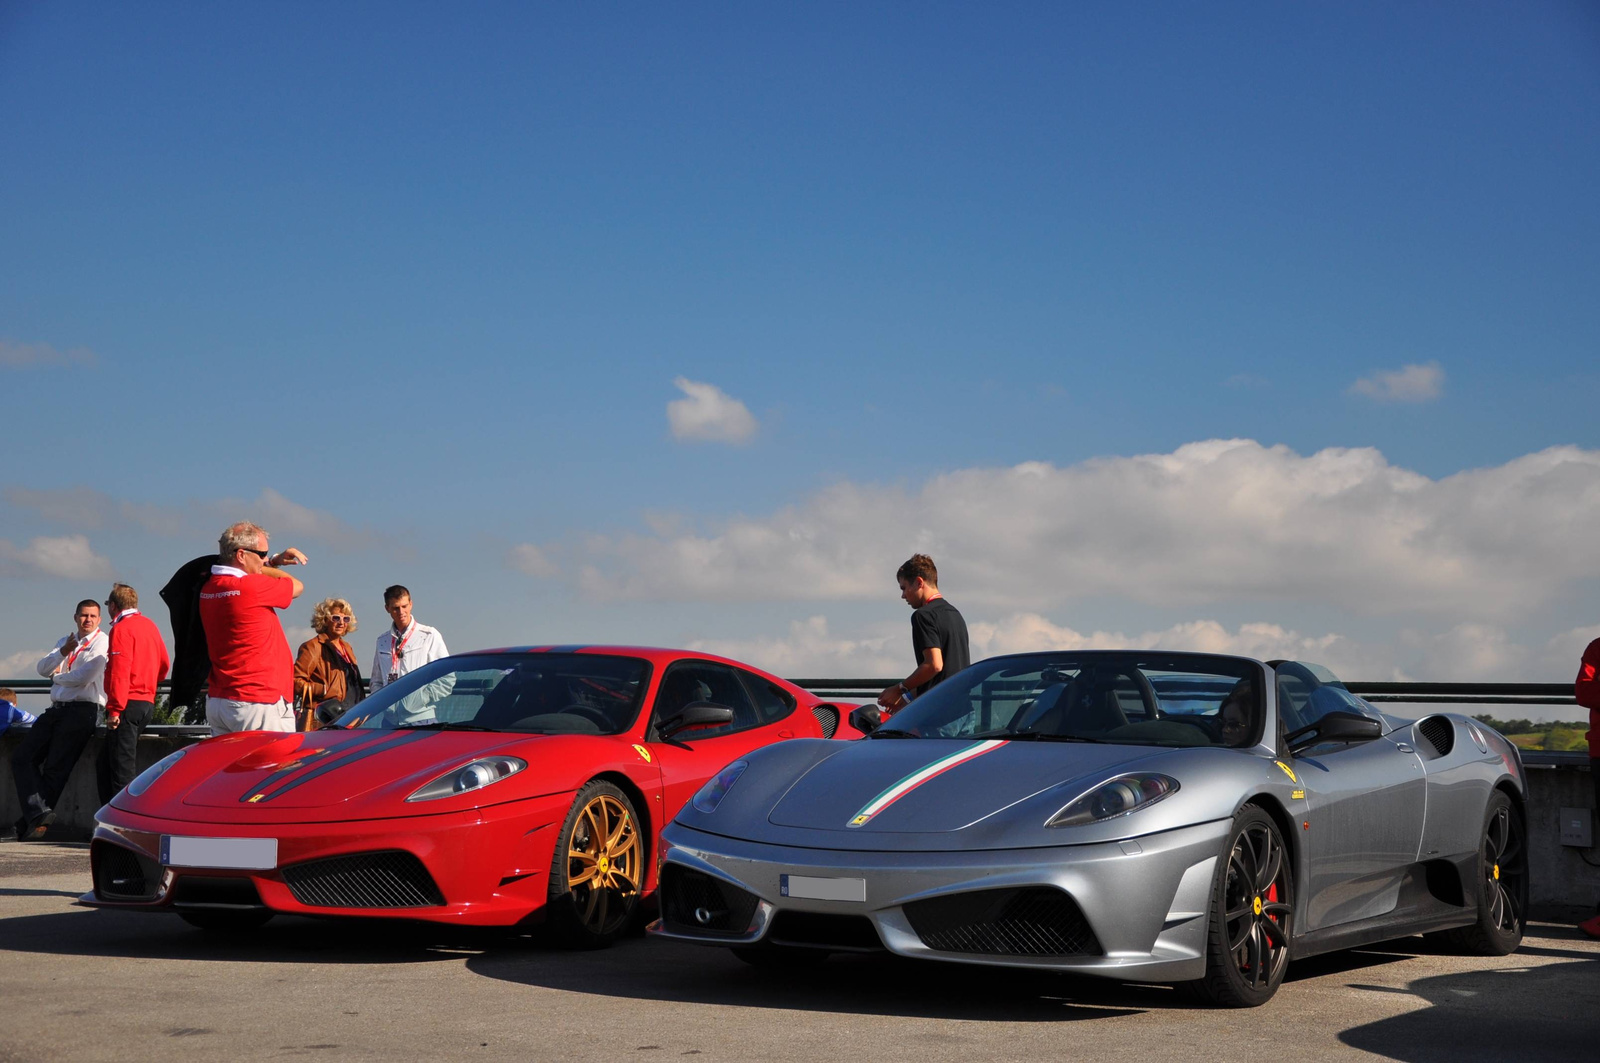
point(81, 799)
point(1563, 883)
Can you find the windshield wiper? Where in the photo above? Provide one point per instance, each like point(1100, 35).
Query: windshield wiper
point(892, 732)
point(1034, 736)
point(444, 725)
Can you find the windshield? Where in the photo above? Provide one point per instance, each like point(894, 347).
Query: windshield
point(536, 693)
point(1147, 699)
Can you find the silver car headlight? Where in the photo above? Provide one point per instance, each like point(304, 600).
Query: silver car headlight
point(712, 793)
point(147, 778)
point(1115, 797)
point(469, 777)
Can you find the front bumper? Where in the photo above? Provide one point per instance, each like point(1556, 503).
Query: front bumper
point(1145, 900)
point(485, 867)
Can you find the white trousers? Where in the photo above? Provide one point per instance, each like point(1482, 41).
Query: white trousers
point(225, 714)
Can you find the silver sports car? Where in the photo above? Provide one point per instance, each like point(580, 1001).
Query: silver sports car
point(1145, 816)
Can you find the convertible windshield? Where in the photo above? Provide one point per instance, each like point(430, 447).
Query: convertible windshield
point(536, 693)
point(1124, 698)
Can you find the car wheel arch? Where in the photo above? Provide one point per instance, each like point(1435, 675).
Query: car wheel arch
point(1286, 828)
point(641, 805)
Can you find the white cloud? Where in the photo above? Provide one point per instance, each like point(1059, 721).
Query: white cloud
point(14, 355)
point(709, 414)
point(530, 560)
point(20, 665)
point(67, 556)
point(1414, 383)
point(83, 508)
point(80, 507)
point(811, 650)
point(1216, 521)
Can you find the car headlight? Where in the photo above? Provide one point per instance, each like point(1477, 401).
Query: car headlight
point(469, 777)
point(712, 793)
point(146, 779)
point(1113, 798)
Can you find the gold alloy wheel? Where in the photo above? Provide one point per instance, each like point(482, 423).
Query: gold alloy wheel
point(604, 864)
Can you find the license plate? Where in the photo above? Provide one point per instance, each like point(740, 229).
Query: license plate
point(823, 889)
point(250, 854)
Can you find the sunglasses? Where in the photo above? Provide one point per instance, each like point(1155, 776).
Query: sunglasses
point(338, 619)
point(262, 554)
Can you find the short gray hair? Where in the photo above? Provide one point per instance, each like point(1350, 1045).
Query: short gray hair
point(240, 536)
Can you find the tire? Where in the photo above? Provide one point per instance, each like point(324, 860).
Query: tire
point(780, 957)
point(597, 869)
point(1502, 884)
point(1251, 917)
point(225, 921)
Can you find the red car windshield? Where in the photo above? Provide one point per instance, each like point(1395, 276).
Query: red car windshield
point(533, 693)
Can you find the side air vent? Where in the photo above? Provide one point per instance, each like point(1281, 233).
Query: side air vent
point(1036, 921)
point(695, 903)
point(1438, 732)
point(390, 878)
point(828, 717)
point(122, 874)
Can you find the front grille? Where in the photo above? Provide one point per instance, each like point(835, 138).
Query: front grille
point(828, 717)
point(122, 874)
point(1036, 921)
point(388, 879)
point(822, 930)
point(1439, 732)
point(694, 902)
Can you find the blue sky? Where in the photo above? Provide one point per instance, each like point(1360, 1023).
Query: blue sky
point(428, 276)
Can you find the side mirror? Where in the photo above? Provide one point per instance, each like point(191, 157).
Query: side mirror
point(866, 719)
point(1335, 726)
point(695, 714)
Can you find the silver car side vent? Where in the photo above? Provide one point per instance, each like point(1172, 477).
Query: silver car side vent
point(1438, 735)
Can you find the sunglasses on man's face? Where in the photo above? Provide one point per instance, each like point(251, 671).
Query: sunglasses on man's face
point(262, 554)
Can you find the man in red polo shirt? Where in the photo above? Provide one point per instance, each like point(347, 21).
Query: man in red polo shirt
point(252, 670)
point(136, 664)
point(1587, 690)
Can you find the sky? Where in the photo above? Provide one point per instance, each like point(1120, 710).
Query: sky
point(1232, 327)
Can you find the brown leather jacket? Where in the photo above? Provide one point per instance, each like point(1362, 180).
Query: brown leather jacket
point(318, 672)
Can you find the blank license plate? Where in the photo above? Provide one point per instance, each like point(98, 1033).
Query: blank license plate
point(823, 889)
point(254, 854)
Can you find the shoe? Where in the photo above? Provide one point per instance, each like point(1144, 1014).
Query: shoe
point(1591, 927)
point(20, 827)
point(37, 825)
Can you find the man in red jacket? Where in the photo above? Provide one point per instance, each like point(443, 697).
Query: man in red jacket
point(1587, 690)
point(137, 663)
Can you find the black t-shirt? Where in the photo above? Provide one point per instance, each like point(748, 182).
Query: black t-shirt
point(939, 624)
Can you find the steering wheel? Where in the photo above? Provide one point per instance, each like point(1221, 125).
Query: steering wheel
point(594, 715)
point(1147, 693)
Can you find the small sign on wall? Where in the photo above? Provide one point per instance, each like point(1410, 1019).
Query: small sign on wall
point(1577, 827)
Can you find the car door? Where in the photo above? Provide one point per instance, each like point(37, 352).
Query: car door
point(1366, 804)
point(695, 755)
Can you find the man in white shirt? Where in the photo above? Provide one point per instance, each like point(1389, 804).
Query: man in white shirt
point(44, 759)
point(405, 647)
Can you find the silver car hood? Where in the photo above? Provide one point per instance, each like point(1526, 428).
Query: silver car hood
point(807, 793)
point(961, 782)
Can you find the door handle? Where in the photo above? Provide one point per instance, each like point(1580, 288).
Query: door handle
point(785, 734)
point(1402, 747)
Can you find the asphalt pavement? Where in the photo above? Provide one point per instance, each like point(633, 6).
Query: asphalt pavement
point(79, 984)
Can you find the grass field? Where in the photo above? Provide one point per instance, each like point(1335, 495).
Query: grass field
point(1557, 739)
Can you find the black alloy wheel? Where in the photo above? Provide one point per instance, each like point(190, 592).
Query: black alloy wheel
point(1502, 883)
point(1251, 917)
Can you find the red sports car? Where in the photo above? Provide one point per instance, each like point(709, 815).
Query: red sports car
point(485, 788)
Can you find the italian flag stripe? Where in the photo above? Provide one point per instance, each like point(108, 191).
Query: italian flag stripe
point(922, 775)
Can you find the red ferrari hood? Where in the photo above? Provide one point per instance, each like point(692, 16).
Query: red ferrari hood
point(323, 769)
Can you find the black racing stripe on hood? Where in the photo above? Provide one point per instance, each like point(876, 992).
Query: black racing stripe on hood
point(335, 764)
point(310, 759)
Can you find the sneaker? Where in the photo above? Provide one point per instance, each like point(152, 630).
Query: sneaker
point(37, 825)
point(1591, 927)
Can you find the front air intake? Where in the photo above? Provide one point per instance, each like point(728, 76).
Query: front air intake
point(123, 875)
point(696, 903)
point(391, 878)
point(824, 930)
point(1036, 921)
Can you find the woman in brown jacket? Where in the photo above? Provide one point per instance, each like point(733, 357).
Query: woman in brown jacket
point(326, 678)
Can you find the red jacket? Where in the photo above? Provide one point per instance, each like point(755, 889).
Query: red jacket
point(137, 662)
point(1588, 691)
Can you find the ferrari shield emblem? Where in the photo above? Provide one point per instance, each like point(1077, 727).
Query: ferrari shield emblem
point(643, 752)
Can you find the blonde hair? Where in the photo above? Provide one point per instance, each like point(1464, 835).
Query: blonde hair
point(325, 608)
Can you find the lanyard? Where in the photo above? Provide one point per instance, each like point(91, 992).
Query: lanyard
point(82, 645)
point(396, 645)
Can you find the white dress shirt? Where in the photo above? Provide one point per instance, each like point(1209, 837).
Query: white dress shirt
point(419, 644)
point(85, 679)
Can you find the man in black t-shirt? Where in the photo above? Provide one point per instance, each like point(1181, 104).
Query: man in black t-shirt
point(938, 633)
